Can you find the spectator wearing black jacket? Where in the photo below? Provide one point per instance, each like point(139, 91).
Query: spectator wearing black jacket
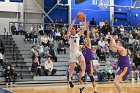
point(61, 47)
point(52, 54)
point(136, 60)
point(8, 75)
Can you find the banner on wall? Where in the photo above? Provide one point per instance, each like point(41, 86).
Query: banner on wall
point(16, 0)
point(1, 0)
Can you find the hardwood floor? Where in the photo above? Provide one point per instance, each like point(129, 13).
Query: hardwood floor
point(102, 88)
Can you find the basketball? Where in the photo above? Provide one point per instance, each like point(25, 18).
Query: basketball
point(80, 16)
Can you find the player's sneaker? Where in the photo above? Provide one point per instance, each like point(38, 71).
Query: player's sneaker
point(95, 92)
point(81, 90)
point(71, 84)
point(83, 78)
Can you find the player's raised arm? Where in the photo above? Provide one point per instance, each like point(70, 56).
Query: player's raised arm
point(70, 27)
point(114, 46)
point(88, 37)
point(83, 30)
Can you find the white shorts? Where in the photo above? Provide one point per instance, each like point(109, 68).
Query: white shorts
point(74, 57)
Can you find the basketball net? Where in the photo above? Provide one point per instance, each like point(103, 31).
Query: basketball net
point(103, 4)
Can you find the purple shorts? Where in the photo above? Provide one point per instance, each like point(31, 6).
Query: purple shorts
point(124, 72)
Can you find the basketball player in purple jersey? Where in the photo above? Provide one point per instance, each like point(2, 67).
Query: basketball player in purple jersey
point(87, 53)
point(123, 62)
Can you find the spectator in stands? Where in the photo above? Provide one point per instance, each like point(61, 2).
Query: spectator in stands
point(136, 60)
point(94, 41)
point(21, 29)
point(122, 30)
point(65, 40)
point(53, 33)
point(82, 39)
point(95, 30)
point(8, 75)
point(58, 35)
point(106, 50)
point(48, 29)
point(35, 53)
point(49, 70)
point(2, 49)
point(106, 28)
point(35, 38)
point(97, 37)
point(1, 59)
point(101, 43)
point(6, 64)
point(40, 49)
point(36, 67)
point(108, 37)
point(117, 31)
point(109, 70)
point(14, 75)
point(101, 23)
point(95, 57)
point(135, 45)
point(60, 24)
point(40, 29)
point(61, 47)
point(13, 29)
point(52, 54)
point(45, 41)
point(131, 40)
point(100, 53)
point(92, 22)
point(65, 29)
point(33, 28)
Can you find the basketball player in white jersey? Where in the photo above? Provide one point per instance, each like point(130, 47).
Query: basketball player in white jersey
point(75, 54)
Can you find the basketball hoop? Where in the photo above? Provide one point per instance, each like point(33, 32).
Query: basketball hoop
point(103, 4)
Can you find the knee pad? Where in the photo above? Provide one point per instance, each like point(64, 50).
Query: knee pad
point(91, 78)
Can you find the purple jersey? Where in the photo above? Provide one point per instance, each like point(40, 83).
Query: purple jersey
point(123, 61)
point(87, 53)
point(124, 64)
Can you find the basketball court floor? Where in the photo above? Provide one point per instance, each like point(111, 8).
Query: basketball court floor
point(107, 87)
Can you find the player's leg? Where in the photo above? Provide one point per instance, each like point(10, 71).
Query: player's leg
point(117, 81)
point(71, 71)
point(93, 81)
point(82, 72)
point(83, 67)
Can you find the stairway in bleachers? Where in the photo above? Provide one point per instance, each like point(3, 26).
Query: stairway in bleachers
point(16, 59)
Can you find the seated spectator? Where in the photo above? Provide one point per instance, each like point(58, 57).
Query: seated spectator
point(82, 39)
point(108, 37)
point(95, 30)
point(49, 70)
point(35, 52)
point(52, 54)
point(21, 29)
point(40, 29)
point(6, 64)
point(101, 43)
point(61, 47)
point(14, 30)
point(28, 36)
point(109, 70)
point(101, 54)
point(95, 57)
point(106, 50)
point(40, 49)
point(58, 35)
point(1, 59)
point(8, 75)
point(14, 75)
point(35, 38)
point(65, 40)
point(36, 68)
point(45, 41)
point(136, 60)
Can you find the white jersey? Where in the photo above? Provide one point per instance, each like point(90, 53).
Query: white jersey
point(74, 43)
